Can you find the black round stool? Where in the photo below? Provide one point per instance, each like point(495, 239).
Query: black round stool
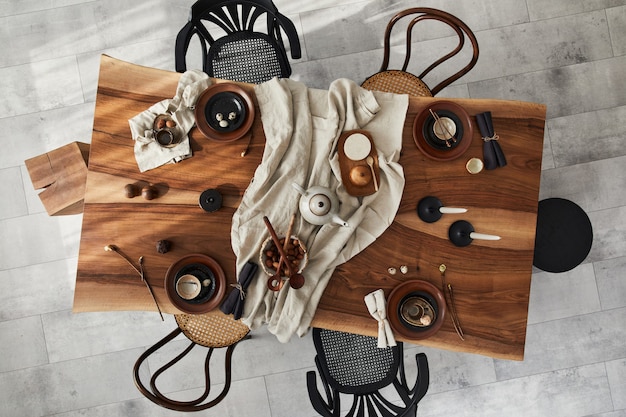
point(564, 235)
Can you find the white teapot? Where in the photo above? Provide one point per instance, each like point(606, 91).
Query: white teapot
point(319, 205)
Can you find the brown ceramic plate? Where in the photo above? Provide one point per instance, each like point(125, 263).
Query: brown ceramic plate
point(409, 289)
point(426, 140)
point(224, 98)
point(205, 268)
point(356, 175)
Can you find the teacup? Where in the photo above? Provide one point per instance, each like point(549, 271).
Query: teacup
point(188, 286)
point(444, 128)
point(164, 137)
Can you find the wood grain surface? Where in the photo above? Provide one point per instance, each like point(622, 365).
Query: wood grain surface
point(491, 279)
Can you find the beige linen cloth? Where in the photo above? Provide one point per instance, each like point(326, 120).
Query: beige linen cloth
point(148, 153)
point(302, 127)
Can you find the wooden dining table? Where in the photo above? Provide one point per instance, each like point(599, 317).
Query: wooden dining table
point(491, 279)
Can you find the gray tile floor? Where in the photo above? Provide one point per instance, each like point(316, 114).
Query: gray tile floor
point(568, 54)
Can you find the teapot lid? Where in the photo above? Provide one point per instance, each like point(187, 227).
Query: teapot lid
point(320, 204)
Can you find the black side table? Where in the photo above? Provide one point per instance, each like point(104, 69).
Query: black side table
point(564, 235)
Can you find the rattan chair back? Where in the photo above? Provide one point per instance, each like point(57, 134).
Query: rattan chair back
point(402, 82)
point(241, 40)
point(351, 365)
point(213, 330)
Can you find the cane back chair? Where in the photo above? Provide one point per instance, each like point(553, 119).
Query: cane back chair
point(351, 365)
point(403, 82)
point(247, 41)
point(212, 331)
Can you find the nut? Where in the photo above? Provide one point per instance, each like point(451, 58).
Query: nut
point(163, 246)
point(160, 124)
point(130, 190)
point(294, 252)
point(170, 123)
point(149, 193)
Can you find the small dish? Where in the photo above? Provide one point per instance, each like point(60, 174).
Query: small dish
point(404, 313)
point(353, 149)
point(207, 272)
point(431, 141)
point(224, 112)
point(357, 146)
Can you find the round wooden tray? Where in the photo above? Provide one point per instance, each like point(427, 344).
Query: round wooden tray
point(185, 305)
point(224, 97)
point(443, 153)
point(346, 165)
point(405, 290)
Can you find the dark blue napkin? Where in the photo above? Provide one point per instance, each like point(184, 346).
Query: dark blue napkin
point(233, 303)
point(492, 152)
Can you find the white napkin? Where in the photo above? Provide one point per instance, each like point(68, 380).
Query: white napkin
point(377, 306)
point(148, 153)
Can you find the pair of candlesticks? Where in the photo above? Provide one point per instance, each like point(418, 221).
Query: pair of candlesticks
point(461, 233)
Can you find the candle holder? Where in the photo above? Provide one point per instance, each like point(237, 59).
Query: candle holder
point(430, 209)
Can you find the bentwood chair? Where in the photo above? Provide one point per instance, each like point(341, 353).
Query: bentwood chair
point(211, 331)
point(351, 365)
point(403, 82)
point(240, 40)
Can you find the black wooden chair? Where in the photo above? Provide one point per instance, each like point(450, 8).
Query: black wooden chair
point(245, 43)
point(211, 331)
point(403, 82)
point(351, 365)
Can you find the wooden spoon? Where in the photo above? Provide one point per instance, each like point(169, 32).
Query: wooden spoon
point(370, 162)
point(275, 282)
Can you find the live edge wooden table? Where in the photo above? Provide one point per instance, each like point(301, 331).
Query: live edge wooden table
point(491, 279)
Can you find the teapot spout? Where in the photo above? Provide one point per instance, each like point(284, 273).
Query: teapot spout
point(339, 221)
point(298, 188)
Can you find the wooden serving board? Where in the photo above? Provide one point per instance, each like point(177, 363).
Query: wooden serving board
point(363, 170)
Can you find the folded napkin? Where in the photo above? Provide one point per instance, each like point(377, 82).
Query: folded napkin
point(233, 303)
point(148, 153)
point(492, 152)
point(377, 306)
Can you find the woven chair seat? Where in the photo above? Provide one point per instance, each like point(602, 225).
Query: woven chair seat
point(247, 57)
point(398, 82)
point(212, 330)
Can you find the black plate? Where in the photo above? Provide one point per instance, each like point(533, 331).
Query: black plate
point(225, 103)
point(431, 300)
point(202, 272)
point(433, 140)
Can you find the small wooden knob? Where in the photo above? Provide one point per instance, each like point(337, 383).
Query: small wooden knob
point(149, 193)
